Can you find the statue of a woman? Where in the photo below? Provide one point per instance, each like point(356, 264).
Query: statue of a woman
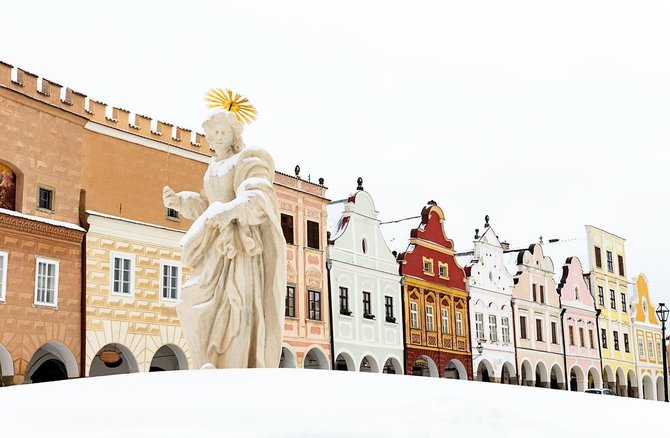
point(232, 308)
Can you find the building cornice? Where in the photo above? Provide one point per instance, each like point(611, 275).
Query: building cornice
point(36, 227)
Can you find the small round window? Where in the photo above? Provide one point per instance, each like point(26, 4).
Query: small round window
point(364, 244)
point(490, 276)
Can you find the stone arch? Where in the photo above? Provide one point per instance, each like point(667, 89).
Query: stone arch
point(594, 380)
point(647, 388)
point(631, 384)
point(424, 366)
point(11, 186)
point(508, 374)
point(660, 389)
point(577, 379)
point(392, 366)
point(344, 362)
point(455, 365)
point(6, 364)
point(287, 359)
point(527, 376)
point(609, 378)
point(315, 359)
point(368, 364)
point(541, 375)
point(52, 361)
point(485, 372)
point(556, 377)
point(106, 365)
point(169, 358)
point(620, 381)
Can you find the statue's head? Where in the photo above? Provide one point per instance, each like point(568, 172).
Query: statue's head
point(223, 130)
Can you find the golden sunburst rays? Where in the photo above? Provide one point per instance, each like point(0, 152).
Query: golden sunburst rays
point(233, 102)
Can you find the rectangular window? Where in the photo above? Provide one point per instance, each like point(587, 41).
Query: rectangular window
point(554, 339)
point(430, 319)
point(314, 305)
point(171, 213)
point(459, 323)
point(493, 328)
point(542, 294)
point(571, 333)
point(444, 270)
point(313, 235)
point(287, 228)
point(615, 338)
point(581, 337)
point(640, 347)
point(427, 266)
point(625, 343)
point(504, 324)
point(621, 271)
point(3, 275)
point(290, 301)
point(479, 325)
point(367, 304)
point(534, 292)
point(599, 261)
point(522, 327)
point(538, 330)
point(45, 198)
point(122, 274)
point(591, 338)
point(603, 335)
point(650, 349)
point(46, 282)
point(658, 350)
point(170, 282)
point(610, 262)
point(344, 301)
point(623, 302)
point(612, 299)
point(445, 321)
point(413, 315)
point(601, 295)
point(388, 308)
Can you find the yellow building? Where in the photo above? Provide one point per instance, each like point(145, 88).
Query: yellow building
point(610, 289)
point(647, 341)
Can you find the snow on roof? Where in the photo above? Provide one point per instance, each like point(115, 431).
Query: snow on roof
point(258, 403)
point(335, 210)
point(41, 219)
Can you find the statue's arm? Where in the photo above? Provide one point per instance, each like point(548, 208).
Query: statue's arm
point(188, 204)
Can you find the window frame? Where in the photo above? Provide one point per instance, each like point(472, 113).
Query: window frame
point(430, 318)
point(171, 264)
point(131, 287)
point(610, 261)
point(504, 325)
point(344, 299)
point(430, 262)
point(571, 334)
point(172, 215)
point(554, 330)
point(444, 314)
point(414, 315)
point(626, 343)
point(650, 349)
point(479, 322)
point(615, 340)
point(52, 203)
point(538, 330)
point(582, 341)
point(641, 347)
point(622, 271)
point(292, 227)
point(367, 305)
point(389, 314)
point(314, 305)
point(56, 264)
point(523, 328)
point(591, 342)
point(612, 299)
point(601, 295)
point(310, 233)
point(493, 328)
point(289, 302)
point(598, 257)
point(459, 323)
point(623, 302)
point(4, 262)
point(441, 265)
point(603, 337)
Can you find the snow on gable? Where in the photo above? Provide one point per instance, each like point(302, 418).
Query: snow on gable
point(573, 289)
point(487, 269)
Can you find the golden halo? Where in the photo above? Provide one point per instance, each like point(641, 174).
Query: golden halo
point(236, 104)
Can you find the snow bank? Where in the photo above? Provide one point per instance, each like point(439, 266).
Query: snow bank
point(312, 403)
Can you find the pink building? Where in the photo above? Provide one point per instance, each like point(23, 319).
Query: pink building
point(580, 330)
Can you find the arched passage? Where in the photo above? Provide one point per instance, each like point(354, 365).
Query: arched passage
point(660, 389)
point(368, 365)
point(455, 370)
point(647, 388)
point(344, 362)
point(169, 358)
point(6, 364)
point(609, 379)
point(621, 383)
point(315, 359)
point(424, 366)
point(287, 359)
point(631, 384)
point(594, 379)
point(113, 359)
point(484, 371)
point(577, 381)
point(52, 361)
point(556, 378)
point(508, 374)
point(541, 375)
point(526, 374)
point(392, 366)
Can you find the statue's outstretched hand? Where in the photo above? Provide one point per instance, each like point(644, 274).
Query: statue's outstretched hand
point(171, 199)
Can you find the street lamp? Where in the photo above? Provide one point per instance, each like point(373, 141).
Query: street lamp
point(662, 313)
point(480, 350)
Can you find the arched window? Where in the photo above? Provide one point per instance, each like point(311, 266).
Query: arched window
point(7, 188)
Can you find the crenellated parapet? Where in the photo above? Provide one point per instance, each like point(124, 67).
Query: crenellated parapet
point(67, 99)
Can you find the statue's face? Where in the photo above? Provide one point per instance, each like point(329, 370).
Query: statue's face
point(220, 136)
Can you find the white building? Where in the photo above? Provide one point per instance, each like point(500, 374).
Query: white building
point(490, 288)
point(364, 290)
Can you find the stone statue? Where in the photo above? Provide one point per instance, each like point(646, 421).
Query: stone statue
point(232, 308)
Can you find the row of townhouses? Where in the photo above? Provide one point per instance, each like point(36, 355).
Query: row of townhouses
point(90, 269)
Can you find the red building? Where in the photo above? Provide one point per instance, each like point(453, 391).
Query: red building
point(435, 300)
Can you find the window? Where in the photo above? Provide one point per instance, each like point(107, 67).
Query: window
point(493, 328)
point(388, 307)
point(625, 343)
point(612, 300)
point(46, 282)
point(610, 262)
point(45, 198)
point(522, 327)
point(170, 282)
point(427, 266)
point(344, 301)
point(3, 275)
point(581, 337)
point(287, 228)
point(445, 321)
point(615, 337)
point(599, 261)
point(504, 324)
point(459, 323)
point(290, 301)
point(413, 315)
point(650, 349)
point(658, 350)
point(444, 270)
point(534, 292)
point(313, 235)
point(542, 294)
point(571, 333)
point(621, 271)
point(591, 338)
point(603, 334)
point(367, 305)
point(601, 295)
point(122, 274)
point(554, 339)
point(538, 329)
point(430, 322)
point(479, 325)
point(623, 302)
point(640, 346)
point(314, 305)
point(171, 213)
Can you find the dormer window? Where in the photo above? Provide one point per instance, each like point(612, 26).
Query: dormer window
point(443, 270)
point(428, 266)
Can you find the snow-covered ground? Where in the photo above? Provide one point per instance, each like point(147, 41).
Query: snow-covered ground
point(312, 403)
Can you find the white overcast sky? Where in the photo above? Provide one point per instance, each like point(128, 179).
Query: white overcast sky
point(545, 115)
